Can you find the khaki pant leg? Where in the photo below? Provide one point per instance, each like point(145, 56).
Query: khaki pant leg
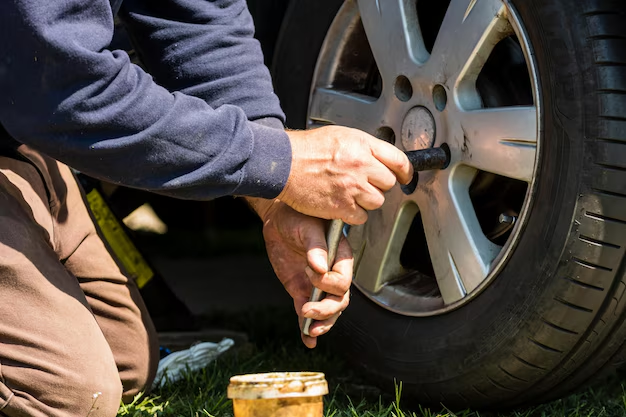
point(54, 359)
point(113, 298)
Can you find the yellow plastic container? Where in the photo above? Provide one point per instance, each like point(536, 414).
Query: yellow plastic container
point(279, 394)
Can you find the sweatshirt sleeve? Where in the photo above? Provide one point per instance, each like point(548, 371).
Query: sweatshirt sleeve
point(64, 93)
point(205, 49)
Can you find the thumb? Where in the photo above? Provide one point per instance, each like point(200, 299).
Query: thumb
point(314, 240)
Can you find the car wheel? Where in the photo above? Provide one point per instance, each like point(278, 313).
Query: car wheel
point(499, 280)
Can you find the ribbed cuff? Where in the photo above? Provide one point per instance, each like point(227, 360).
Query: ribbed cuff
point(267, 170)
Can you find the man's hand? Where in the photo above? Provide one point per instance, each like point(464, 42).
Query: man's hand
point(296, 245)
point(339, 173)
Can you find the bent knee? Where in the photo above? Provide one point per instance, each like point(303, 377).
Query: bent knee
point(104, 402)
point(93, 394)
point(97, 392)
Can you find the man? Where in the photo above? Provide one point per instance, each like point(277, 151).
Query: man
point(71, 325)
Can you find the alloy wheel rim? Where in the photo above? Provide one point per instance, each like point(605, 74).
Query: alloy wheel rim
point(426, 96)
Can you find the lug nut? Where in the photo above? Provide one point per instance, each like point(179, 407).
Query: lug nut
point(506, 219)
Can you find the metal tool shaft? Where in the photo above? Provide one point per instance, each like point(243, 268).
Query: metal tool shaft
point(333, 237)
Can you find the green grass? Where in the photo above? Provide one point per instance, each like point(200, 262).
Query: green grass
point(275, 346)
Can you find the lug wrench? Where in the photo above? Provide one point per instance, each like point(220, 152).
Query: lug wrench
point(422, 160)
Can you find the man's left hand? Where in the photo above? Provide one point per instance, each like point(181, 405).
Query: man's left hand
point(296, 246)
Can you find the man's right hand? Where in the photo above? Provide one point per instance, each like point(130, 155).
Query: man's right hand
point(339, 173)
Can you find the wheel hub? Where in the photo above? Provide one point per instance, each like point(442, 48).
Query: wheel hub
point(418, 129)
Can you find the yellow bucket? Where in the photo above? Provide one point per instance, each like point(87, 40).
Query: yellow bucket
point(278, 394)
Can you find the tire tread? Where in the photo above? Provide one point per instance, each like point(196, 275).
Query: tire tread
point(592, 241)
point(572, 305)
point(591, 265)
point(544, 347)
point(584, 284)
point(510, 375)
point(559, 328)
point(529, 364)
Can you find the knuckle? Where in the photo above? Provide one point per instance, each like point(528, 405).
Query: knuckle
point(344, 285)
point(363, 141)
point(365, 201)
point(325, 313)
point(357, 218)
point(317, 280)
point(320, 331)
point(379, 200)
point(399, 158)
point(375, 201)
point(349, 183)
point(389, 180)
point(341, 156)
point(345, 302)
point(339, 285)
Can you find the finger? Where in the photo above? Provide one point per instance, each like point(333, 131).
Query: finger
point(338, 281)
point(325, 309)
point(370, 198)
point(298, 303)
point(394, 159)
point(332, 283)
point(344, 261)
point(380, 176)
point(314, 243)
point(308, 341)
point(320, 328)
point(356, 216)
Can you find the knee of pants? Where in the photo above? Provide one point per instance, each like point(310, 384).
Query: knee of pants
point(103, 403)
point(92, 391)
point(99, 392)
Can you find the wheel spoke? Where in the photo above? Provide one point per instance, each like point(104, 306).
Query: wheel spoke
point(460, 252)
point(382, 239)
point(393, 33)
point(345, 109)
point(466, 38)
point(502, 141)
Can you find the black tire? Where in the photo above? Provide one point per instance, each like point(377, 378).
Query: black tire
point(554, 317)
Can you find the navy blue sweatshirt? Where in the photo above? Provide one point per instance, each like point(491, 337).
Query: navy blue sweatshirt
point(208, 124)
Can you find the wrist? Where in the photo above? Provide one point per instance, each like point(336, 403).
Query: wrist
point(261, 206)
point(297, 150)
